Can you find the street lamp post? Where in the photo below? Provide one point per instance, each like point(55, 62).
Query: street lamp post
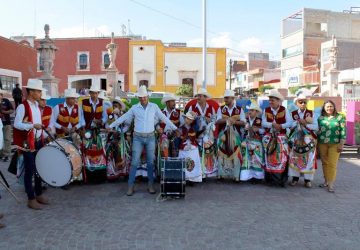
point(230, 72)
point(165, 70)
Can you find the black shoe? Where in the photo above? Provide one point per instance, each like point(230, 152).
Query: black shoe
point(189, 183)
point(66, 187)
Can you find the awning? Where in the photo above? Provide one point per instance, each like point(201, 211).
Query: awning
point(314, 89)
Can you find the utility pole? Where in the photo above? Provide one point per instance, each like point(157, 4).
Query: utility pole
point(165, 71)
point(230, 70)
point(204, 46)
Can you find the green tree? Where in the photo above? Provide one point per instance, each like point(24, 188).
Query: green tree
point(185, 90)
point(263, 88)
point(293, 90)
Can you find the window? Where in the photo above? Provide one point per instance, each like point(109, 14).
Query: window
point(105, 60)
point(83, 61)
point(292, 51)
point(40, 63)
point(325, 55)
point(144, 82)
point(8, 82)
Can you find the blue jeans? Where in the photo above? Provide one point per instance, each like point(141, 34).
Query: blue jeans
point(138, 144)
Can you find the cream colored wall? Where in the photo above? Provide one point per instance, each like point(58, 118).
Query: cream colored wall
point(176, 59)
point(144, 60)
point(190, 61)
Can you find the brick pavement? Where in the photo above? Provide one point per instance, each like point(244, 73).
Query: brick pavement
point(212, 216)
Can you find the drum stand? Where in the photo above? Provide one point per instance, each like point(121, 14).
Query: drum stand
point(7, 187)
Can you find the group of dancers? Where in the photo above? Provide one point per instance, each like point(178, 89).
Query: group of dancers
point(220, 141)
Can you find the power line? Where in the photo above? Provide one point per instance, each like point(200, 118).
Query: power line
point(165, 14)
point(185, 22)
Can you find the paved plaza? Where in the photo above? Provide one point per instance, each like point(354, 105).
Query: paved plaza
point(213, 215)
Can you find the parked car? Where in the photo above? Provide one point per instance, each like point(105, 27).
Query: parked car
point(158, 94)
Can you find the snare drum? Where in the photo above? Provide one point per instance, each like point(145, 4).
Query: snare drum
point(59, 166)
point(173, 177)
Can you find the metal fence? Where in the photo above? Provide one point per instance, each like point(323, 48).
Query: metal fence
point(349, 99)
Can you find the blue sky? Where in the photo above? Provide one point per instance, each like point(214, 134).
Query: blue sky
point(241, 26)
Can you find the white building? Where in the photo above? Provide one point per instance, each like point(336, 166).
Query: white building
point(301, 37)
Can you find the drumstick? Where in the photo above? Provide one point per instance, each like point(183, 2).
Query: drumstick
point(10, 191)
point(53, 139)
point(3, 177)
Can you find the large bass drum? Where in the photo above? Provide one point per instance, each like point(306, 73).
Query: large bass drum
point(58, 166)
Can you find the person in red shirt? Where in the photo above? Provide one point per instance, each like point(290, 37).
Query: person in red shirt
point(66, 118)
point(28, 139)
point(169, 146)
point(46, 112)
point(188, 149)
point(275, 120)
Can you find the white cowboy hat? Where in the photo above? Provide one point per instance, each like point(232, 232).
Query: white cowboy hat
point(202, 91)
point(254, 106)
point(44, 96)
point(36, 84)
point(276, 94)
point(229, 93)
point(142, 91)
point(117, 99)
point(300, 97)
point(190, 115)
point(102, 95)
point(71, 93)
point(167, 98)
point(94, 88)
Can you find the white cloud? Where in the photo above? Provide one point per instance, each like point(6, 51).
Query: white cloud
point(251, 44)
point(237, 48)
point(78, 31)
point(220, 41)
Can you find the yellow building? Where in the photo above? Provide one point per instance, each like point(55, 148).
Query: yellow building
point(164, 69)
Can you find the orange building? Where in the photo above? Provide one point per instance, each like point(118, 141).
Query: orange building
point(17, 63)
point(80, 62)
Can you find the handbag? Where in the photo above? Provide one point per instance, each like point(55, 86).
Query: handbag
point(13, 163)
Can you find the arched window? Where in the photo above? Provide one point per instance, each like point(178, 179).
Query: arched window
point(144, 82)
point(83, 61)
point(106, 60)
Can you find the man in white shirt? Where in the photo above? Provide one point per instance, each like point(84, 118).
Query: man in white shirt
point(144, 115)
point(275, 120)
point(304, 120)
point(92, 111)
point(204, 111)
point(46, 114)
point(65, 116)
point(27, 137)
point(229, 116)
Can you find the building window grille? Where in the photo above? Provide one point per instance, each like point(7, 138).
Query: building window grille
point(83, 61)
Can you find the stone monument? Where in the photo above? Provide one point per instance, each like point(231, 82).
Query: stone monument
point(112, 83)
point(333, 76)
point(47, 51)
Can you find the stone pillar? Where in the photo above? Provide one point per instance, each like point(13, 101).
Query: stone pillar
point(47, 51)
point(331, 88)
point(333, 81)
point(112, 86)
